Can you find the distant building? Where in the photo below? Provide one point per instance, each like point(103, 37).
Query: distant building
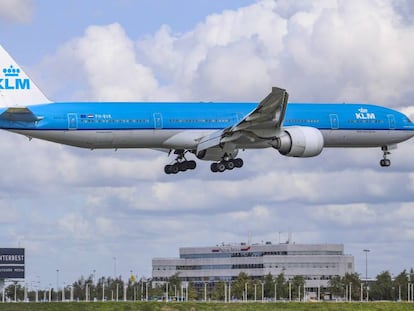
point(317, 263)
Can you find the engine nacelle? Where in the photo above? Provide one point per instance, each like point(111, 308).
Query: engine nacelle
point(300, 141)
point(215, 154)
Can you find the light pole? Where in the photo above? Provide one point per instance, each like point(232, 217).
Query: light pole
point(366, 251)
point(50, 292)
point(93, 283)
point(87, 292)
point(262, 291)
point(57, 284)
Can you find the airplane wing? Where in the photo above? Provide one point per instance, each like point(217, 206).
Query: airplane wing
point(269, 113)
point(260, 124)
point(19, 114)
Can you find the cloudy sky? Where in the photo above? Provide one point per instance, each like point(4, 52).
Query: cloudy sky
point(76, 210)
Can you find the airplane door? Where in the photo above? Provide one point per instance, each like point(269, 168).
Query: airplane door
point(334, 121)
point(157, 120)
point(72, 121)
point(391, 121)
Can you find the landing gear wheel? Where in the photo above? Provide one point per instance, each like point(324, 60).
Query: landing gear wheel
point(229, 165)
point(221, 167)
point(238, 162)
point(167, 169)
point(174, 168)
point(385, 162)
point(213, 167)
point(182, 166)
point(191, 165)
point(171, 169)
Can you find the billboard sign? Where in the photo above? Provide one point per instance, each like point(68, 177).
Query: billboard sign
point(12, 263)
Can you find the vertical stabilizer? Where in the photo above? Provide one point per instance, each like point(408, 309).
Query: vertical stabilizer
point(16, 88)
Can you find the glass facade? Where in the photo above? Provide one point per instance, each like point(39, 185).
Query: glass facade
point(317, 263)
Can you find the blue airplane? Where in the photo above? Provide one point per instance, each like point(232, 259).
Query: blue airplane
point(213, 132)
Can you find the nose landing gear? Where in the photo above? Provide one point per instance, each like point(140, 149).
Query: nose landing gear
point(385, 162)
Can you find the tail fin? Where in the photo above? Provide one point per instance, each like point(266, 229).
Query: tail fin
point(16, 88)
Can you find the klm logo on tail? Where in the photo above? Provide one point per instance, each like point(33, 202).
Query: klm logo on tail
point(11, 80)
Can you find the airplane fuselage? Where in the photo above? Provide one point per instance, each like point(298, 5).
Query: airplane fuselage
point(213, 132)
point(172, 125)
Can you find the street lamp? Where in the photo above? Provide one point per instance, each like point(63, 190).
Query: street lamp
point(93, 288)
point(57, 284)
point(262, 291)
point(366, 251)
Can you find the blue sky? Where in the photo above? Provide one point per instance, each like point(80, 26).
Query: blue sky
point(75, 210)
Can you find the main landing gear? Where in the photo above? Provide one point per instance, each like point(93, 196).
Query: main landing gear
point(226, 165)
point(385, 162)
point(181, 164)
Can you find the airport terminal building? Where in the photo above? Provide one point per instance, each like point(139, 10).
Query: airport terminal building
point(317, 263)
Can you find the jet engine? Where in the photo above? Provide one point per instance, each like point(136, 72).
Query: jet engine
point(299, 141)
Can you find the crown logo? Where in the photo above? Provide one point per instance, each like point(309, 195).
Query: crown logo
point(11, 71)
point(363, 110)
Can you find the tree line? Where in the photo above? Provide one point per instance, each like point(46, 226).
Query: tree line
point(244, 287)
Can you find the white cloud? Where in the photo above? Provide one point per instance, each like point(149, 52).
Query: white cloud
point(76, 226)
point(19, 11)
point(405, 212)
point(9, 215)
point(257, 214)
point(318, 50)
point(346, 214)
point(113, 73)
point(105, 62)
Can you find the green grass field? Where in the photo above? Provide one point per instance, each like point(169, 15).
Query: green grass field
point(160, 306)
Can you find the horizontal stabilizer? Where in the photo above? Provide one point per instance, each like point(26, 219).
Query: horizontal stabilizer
point(19, 114)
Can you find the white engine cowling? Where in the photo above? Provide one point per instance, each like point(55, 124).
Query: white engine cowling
point(300, 141)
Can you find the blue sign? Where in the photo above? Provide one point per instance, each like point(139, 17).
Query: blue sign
point(12, 263)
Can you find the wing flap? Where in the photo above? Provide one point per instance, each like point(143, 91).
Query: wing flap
point(210, 141)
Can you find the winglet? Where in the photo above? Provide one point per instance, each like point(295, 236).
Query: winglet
point(16, 88)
